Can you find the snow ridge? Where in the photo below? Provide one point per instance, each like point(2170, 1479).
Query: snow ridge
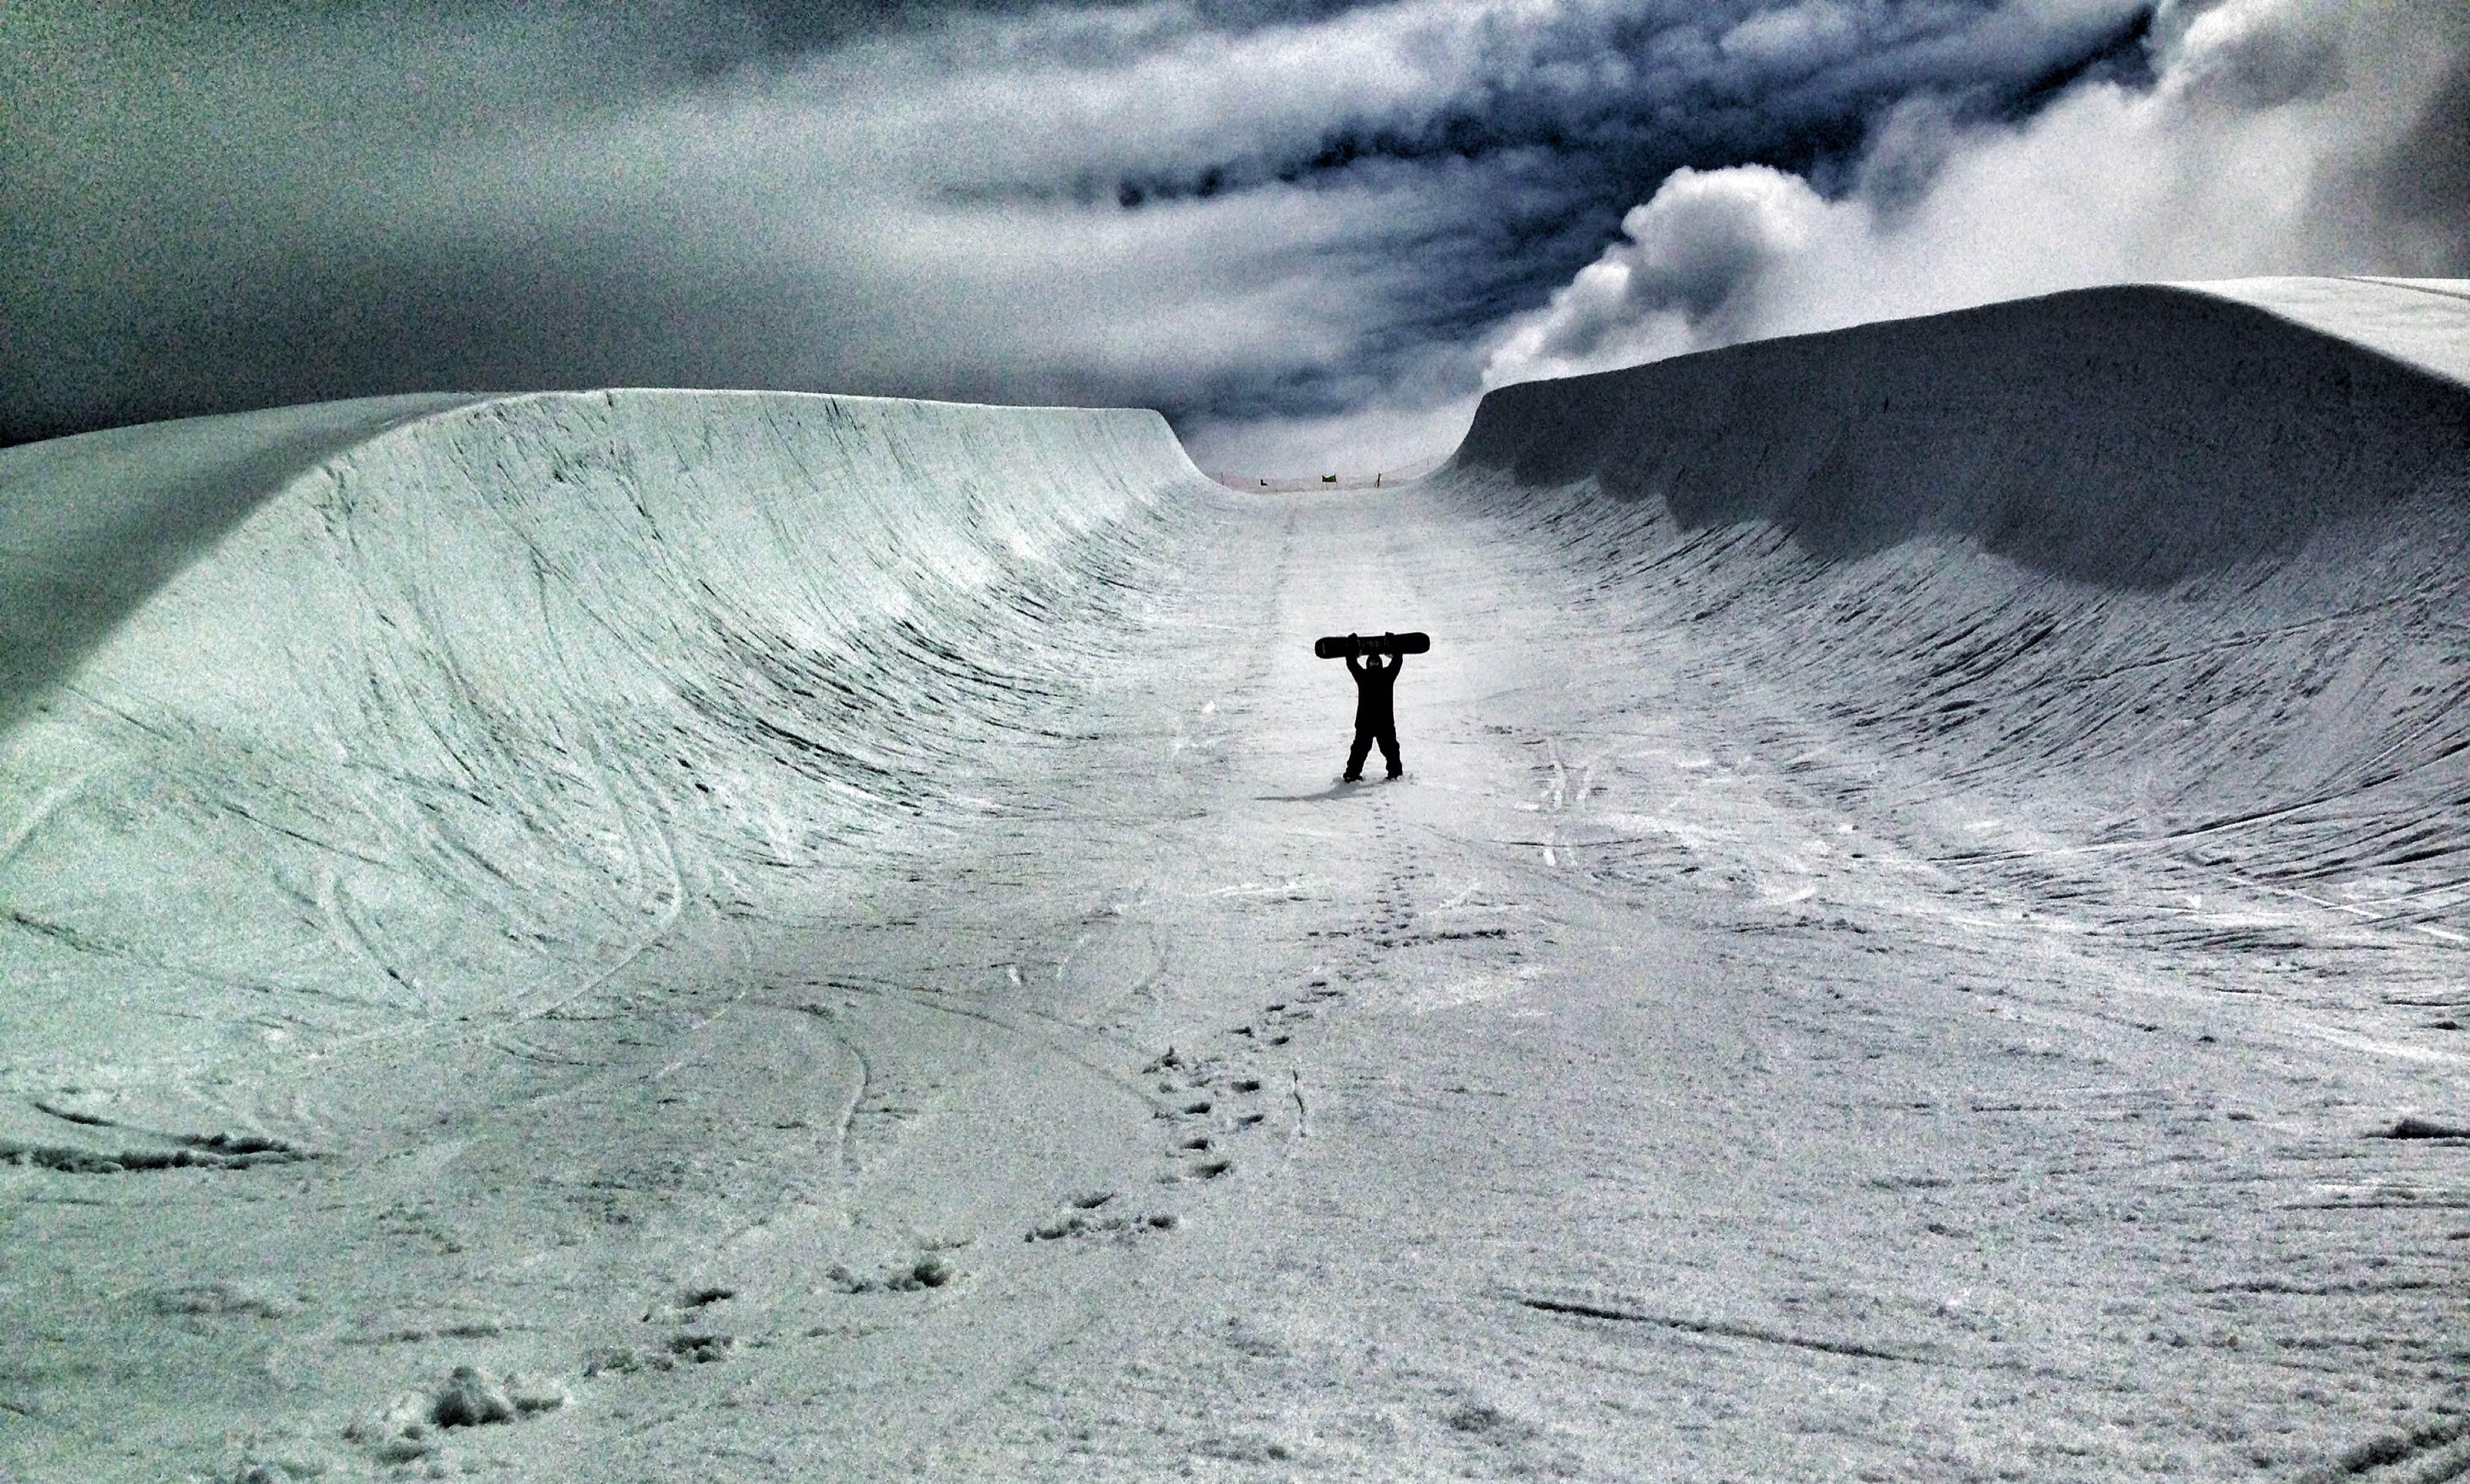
point(2122, 436)
point(470, 713)
point(2172, 566)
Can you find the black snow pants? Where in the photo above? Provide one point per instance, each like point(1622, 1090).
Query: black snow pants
point(1369, 729)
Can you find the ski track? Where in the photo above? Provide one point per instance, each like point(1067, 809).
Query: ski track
point(825, 934)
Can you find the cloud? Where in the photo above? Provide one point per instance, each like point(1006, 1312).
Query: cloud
point(1267, 215)
point(218, 215)
point(1695, 256)
point(2277, 136)
point(1804, 36)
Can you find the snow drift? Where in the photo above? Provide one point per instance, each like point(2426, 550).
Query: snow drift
point(419, 708)
point(2183, 566)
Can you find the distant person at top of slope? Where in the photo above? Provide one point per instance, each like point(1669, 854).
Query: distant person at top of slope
point(1375, 721)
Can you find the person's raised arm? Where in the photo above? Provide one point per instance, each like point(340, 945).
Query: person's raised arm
point(1353, 667)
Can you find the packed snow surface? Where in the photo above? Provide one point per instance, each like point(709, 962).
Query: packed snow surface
point(662, 935)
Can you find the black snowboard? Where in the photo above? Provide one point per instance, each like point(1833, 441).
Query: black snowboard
point(1338, 646)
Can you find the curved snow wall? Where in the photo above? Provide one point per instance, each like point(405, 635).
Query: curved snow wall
point(465, 715)
point(2122, 436)
point(2180, 572)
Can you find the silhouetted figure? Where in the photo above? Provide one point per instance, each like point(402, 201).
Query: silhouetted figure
point(1375, 720)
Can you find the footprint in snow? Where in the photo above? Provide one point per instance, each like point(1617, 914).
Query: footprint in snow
point(689, 1301)
point(929, 1270)
point(1098, 1213)
point(411, 1427)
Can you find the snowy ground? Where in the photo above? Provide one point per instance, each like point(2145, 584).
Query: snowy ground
point(1806, 1014)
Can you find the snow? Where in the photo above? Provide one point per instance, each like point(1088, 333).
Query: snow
point(738, 935)
point(2421, 325)
point(90, 525)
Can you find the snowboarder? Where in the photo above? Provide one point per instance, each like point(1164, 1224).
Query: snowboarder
point(1375, 721)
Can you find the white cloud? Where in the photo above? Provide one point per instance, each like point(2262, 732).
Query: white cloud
point(1693, 270)
point(1804, 36)
point(2282, 136)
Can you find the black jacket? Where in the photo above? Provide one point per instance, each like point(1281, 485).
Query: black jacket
point(1373, 684)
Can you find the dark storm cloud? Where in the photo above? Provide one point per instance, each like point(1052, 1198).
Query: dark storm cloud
point(2272, 137)
point(1256, 213)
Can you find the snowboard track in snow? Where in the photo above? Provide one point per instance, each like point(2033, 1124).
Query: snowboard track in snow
point(1714, 1328)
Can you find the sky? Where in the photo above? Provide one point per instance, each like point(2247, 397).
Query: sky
point(1311, 232)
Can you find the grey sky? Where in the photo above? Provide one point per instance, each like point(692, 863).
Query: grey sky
point(1308, 232)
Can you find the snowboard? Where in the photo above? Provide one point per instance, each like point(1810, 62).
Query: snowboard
point(1338, 646)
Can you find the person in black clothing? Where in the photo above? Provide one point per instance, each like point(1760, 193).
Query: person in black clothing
point(1374, 719)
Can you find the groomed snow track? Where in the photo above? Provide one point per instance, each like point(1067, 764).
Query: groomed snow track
point(660, 935)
